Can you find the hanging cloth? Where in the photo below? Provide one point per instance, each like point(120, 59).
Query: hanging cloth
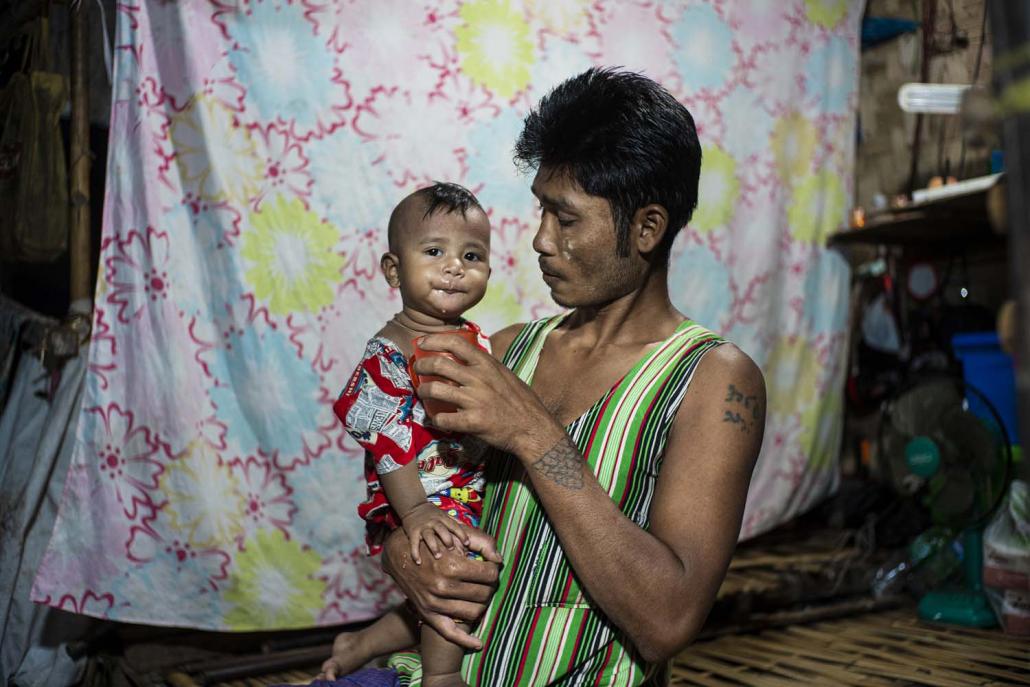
point(33, 175)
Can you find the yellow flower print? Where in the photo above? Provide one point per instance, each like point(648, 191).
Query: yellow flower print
point(273, 584)
point(559, 16)
point(204, 498)
point(495, 46)
point(817, 207)
point(718, 190)
point(791, 376)
point(793, 145)
point(821, 427)
point(294, 264)
point(216, 155)
point(826, 13)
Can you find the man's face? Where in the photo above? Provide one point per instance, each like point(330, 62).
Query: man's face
point(443, 262)
point(577, 244)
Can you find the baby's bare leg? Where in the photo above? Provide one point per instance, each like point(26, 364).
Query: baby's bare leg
point(441, 660)
point(395, 631)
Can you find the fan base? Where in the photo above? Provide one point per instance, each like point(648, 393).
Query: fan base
point(970, 609)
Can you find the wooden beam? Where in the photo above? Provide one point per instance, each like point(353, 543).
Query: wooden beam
point(79, 252)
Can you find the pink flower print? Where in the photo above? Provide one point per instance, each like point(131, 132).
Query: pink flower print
point(137, 271)
point(376, 39)
point(266, 496)
point(166, 30)
point(356, 587)
point(126, 456)
point(88, 603)
point(471, 101)
point(103, 351)
point(648, 51)
point(174, 560)
point(433, 150)
point(285, 167)
point(363, 249)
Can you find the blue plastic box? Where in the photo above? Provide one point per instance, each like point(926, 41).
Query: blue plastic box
point(990, 370)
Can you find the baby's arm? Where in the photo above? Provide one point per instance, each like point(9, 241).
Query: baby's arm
point(422, 520)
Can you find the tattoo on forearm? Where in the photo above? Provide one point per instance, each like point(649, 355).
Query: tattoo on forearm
point(744, 411)
point(563, 465)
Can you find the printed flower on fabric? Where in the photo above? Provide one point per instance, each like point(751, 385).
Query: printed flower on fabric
point(503, 190)
point(744, 134)
point(773, 74)
point(759, 21)
point(126, 455)
point(137, 271)
point(646, 50)
point(267, 500)
point(349, 186)
point(356, 587)
point(699, 283)
point(704, 49)
point(296, 81)
point(495, 46)
point(273, 584)
point(204, 498)
point(188, 568)
point(172, 30)
point(336, 483)
point(826, 13)
point(718, 190)
point(271, 400)
point(817, 207)
point(216, 155)
point(434, 150)
point(792, 375)
point(93, 604)
point(291, 253)
point(831, 76)
point(558, 60)
point(285, 167)
point(826, 284)
point(560, 17)
point(821, 427)
point(391, 42)
point(364, 249)
point(794, 140)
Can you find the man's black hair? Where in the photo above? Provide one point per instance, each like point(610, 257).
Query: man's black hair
point(623, 138)
point(442, 196)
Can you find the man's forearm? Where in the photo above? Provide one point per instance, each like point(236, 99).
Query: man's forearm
point(638, 581)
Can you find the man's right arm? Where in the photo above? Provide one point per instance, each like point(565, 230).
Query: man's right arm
point(452, 587)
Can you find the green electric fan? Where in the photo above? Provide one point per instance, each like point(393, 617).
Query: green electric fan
point(957, 463)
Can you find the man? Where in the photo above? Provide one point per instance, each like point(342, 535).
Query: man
point(625, 434)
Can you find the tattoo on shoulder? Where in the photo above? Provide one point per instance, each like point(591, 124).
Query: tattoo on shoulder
point(563, 465)
point(743, 410)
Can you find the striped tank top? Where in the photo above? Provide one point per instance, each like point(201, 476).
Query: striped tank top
point(540, 627)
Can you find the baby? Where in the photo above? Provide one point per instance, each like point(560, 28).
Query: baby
point(419, 478)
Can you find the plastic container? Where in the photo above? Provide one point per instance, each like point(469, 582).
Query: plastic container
point(989, 370)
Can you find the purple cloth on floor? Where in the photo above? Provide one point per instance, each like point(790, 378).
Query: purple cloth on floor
point(367, 677)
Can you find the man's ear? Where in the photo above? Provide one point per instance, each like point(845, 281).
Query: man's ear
point(649, 226)
point(390, 265)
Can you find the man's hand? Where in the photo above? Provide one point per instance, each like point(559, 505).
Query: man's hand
point(452, 587)
point(493, 404)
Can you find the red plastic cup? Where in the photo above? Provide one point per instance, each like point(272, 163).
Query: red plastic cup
point(433, 406)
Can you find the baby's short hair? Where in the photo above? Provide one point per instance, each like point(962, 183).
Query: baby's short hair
point(442, 196)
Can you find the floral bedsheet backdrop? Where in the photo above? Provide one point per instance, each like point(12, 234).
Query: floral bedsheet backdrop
point(257, 147)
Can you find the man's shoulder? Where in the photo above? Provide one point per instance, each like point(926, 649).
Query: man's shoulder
point(501, 341)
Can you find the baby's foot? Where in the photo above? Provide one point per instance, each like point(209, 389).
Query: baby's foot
point(445, 680)
point(349, 654)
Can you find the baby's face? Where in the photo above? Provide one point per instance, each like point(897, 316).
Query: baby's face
point(444, 263)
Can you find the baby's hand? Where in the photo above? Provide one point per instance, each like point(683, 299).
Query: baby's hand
point(427, 523)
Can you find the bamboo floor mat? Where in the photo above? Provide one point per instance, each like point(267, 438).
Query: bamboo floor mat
point(887, 648)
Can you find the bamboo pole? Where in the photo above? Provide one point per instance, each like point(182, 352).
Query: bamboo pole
point(79, 252)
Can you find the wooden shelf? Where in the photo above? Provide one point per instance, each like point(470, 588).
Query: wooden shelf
point(958, 221)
